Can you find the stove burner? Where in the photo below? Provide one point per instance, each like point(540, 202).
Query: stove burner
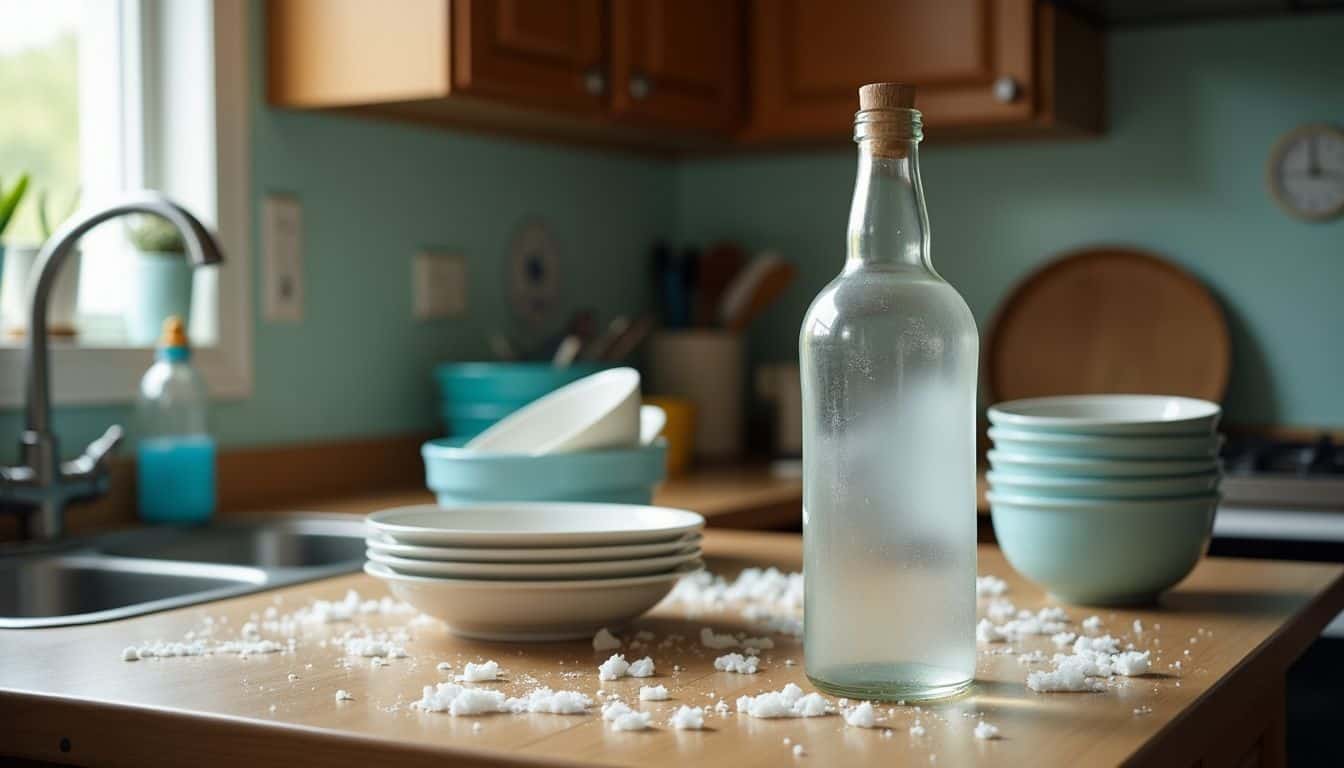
point(1248, 456)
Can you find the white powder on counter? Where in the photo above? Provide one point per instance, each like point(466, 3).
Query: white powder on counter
point(758, 644)
point(479, 673)
point(1101, 644)
point(990, 586)
point(767, 597)
point(459, 700)
point(615, 709)
point(986, 731)
point(653, 693)
point(710, 639)
point(1131, 663)
point(798, 750)
point(344, 695)
point(1070, 674)
point(917, 730)
point(1063, 639)
point(641, 668)
point(688, 719)
point(1046, 621)
point(605, 641)
point(861, 716)
point(633, 721)
point(373, 646)
point(1000, 610)
point(1138, 627)
point(787, 702)
point(736, 662)
point(547, 701)
point(443, 666)
point(1092, 623)
point(613, 668)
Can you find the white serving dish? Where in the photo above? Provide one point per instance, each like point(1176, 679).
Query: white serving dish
point(597, 411)
point(1103, 487)
point(1087, 467)
point(1109, 415)
point(386, 546)
point(530, 611)
point(533, 524)
point(599, 569)
point(1105, 446)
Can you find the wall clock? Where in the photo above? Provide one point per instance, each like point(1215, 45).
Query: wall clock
point(1306, 172)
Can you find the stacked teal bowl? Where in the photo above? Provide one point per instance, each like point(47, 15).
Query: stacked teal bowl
point(473, 396)
point(458, 476)
point(1104, 499)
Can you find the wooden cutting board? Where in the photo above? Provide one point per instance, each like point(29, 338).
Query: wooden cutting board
point(1108, 320)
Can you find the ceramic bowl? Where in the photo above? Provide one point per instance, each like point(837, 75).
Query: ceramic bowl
point(1103, 487)
point(595, 412)
point(533, 524)
point(386, 546)
point(599, 569)
point(1105, 446)
point(1071, 466)
point(474, 396)
point(1103, 551)
point(530, 611)
point(1109, 415)
point(625, 476)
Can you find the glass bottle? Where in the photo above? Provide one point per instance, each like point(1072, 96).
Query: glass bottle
point(175, 455)
point(888, 354)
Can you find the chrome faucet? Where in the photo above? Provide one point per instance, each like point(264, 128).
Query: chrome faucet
point(41, 485)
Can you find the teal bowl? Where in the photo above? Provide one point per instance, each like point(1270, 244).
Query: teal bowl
point(1145, 447)
point(1027, 484)
point(1081, 467)
point(624, 476)
point(1103, 552)
point(473, 396)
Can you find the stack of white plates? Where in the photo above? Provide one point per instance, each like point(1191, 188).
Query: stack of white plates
point(533, 571)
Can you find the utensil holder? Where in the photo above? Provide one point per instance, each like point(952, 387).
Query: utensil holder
point(705, 367)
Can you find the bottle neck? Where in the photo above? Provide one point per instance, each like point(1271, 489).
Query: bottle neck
point(888, 223)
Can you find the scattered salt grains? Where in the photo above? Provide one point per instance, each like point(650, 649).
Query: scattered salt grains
point(1033, 657)
point(710, 639)
point(271, 708)
point(373, 647)
point(1000, 610)
point(861, 716)
point(986, 731)
point(798, 750)
point(130, 654)
point(1063, 639)
point(990, 586)
point(789, 662)
point(293, 677)
point(1131, 663)
point(476, 727)
point(787, 702)
point(653, 693)
point(642, 668)
point(479, 673)
point(344, 695)
point(1143, 710)
point(736, 662)
point(917, 730)
point(1092, 623)
point(443, 666)
point(1138, 627)
point(613, 668)
point(688, 719)
point(605, 641)
point(458, 700)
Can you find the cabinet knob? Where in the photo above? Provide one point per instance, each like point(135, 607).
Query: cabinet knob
point(1006, 89)
point(594, 82)
point(640, 87)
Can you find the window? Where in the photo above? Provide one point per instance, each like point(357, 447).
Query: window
point(104, 96)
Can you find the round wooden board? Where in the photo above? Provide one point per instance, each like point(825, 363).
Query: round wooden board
point(1108, 320)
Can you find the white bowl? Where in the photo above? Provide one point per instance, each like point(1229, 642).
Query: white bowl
point(530, 611)
point(1105, 446)
point(1017, 463)
point(534, 524)
point(1103, 487)
point(599, 569)
point(1109, 415)
point(597, 411)
point(385, 546)
point(652, 418)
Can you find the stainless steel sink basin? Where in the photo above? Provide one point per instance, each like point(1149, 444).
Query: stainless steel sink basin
point(129, 573)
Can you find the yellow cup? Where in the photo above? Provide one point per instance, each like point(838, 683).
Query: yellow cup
point(679, 431)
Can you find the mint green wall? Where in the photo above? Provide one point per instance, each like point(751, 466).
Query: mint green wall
point(1195, 109)
point(373, 193)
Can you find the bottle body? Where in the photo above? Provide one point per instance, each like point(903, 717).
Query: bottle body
point(175, 455)
point(888, 355)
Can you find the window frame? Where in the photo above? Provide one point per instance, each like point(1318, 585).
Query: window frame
point(221, 196)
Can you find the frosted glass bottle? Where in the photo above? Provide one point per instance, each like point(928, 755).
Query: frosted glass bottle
point(888, 354)
point(175, 455)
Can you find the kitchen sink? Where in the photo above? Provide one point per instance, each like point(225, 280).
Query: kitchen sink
point(129, 573)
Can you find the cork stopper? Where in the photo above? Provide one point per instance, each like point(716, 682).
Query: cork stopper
point(887, 96)
point(174, 333)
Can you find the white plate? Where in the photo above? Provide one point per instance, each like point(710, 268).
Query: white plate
point(1084, 467)
point(1109, 415)
point(386, 546)
point(604, 569)
point(534, 524)
point(530, 611)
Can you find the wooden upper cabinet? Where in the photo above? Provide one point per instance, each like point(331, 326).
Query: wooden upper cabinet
point(678, 63)
point(986, 64)
point(531, 53)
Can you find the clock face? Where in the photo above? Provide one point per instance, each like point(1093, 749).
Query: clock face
point(1306, 172)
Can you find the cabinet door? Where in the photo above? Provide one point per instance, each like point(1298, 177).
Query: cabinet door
point(678, 63)
point(530, 53)
point(810, 56)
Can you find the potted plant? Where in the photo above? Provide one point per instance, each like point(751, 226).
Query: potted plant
point(9, 202)
point(162, 278)
point(21, 269)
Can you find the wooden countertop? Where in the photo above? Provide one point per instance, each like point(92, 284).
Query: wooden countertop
point(66, 696)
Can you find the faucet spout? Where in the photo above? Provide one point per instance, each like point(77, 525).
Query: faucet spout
point(41, 481)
